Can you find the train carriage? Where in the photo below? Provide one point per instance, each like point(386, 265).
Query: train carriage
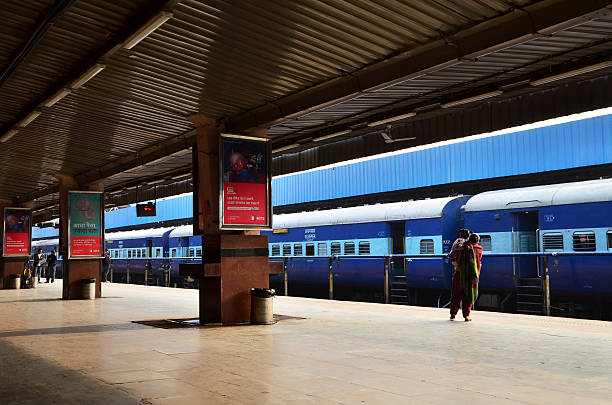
point(361, 237)
point(570, 217)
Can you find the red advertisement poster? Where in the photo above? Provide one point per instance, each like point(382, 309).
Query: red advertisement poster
point(245, 183)
point(86, 246)
point(16, 239)
point(86, 228)
point(245, 203)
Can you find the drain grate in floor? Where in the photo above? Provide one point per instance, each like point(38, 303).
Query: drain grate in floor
point(195, 322)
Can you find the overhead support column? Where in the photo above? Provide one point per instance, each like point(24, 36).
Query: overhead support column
point(8, 265)
point(233, 261)
point(74, 270)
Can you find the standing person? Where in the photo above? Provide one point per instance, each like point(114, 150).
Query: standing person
point(107, 265)
point(454, 257)
point(39, 260)
point(465, 280)
point(51, 263)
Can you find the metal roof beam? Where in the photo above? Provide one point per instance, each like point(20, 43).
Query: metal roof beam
point(518, 26)
point(43, 26)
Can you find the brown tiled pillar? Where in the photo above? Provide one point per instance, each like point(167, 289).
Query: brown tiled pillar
point(74, 270)
point(8, 265)
point(241, 257)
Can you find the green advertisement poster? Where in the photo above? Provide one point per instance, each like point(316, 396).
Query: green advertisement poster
point(86, 233)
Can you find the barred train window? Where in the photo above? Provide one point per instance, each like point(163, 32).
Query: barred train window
point(129, 254)
point(485, 242)
point(584, 241)
point(297, 249)
point(552, 241)
point(609, 240)
point(198, 252)
point(191, 252)
point(322, 249)
point(275, 250)
point(310, 249)
point(349, 248)
point(427, 247)
point(364, 248)
point(286, 249)
point(335, 248)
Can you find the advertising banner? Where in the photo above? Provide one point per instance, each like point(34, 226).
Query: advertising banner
point(17, 231)
point(85, 225)
point(246, 201)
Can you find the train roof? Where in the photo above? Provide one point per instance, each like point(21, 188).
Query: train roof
point(137, 234)
point(45, 242)
point(181, 231)
point(430, 208)
point(542, 196)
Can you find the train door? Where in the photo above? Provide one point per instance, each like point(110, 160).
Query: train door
point(525, 239)
point(398, 246)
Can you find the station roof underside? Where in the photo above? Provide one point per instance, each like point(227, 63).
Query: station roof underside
point(305, 70)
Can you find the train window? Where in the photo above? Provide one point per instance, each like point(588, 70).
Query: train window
point(191, 252)
point(173, 252)
point(297, 249)
point(364, 248)
point(427, 247)
point(335, 248)
point(310, 249)
point(609, 234)
point(485, 242)
point(138, 253)
point(144, 252)
point(275, 250)
point(129, 254)
point(349, 248)
point(322, 249)
point(552, 241)
point(198, 252)
point(286, 249)
point(584, 241)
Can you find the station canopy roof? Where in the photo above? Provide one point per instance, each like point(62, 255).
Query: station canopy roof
point(100, 89)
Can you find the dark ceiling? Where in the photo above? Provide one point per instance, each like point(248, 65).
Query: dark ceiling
point(305, 70)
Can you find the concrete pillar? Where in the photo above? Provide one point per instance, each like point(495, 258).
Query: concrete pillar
point(74, 270)
point(240, 256)
point(8, 265)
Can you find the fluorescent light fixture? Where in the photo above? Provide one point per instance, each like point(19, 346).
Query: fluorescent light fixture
point(282, 148)
point(147, 29)
point(180, 176)
point(391, 119)
point(472, 99)
point(156, 181)
point(29, 118)
point(8, 135)
point(88, 75)
point(335, 134)
point(571, 73)
point(57, 97)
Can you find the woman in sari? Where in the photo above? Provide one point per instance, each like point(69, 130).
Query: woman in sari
point(465, 278)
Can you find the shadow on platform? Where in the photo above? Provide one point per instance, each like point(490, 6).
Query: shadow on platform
point(51, 383)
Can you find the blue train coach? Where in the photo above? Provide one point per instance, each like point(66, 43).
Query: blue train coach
point(566, 218)
point(359, 237)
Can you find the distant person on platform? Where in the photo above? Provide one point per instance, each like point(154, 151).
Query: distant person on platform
point(107, 265)
point(465, 279)
point(39, 260)
point(51, 263)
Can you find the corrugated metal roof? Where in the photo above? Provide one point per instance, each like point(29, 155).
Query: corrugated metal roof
point(543, 149)
point(229, 61)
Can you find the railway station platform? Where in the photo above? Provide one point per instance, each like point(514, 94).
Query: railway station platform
point(55, 351)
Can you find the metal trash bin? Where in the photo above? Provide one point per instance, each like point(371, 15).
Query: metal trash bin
point(89, 288)
point(15, 281)
point(262, 312)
